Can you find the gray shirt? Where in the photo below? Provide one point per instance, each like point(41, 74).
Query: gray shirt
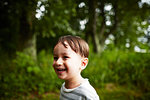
point(83, 92)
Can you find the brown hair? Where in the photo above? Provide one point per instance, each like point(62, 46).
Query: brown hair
point(76, 43)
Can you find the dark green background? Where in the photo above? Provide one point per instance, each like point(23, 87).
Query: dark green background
point(119, 61)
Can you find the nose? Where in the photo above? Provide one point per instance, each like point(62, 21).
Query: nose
point(59, 62)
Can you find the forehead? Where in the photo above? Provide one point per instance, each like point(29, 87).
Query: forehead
point(60, 48)
point(60, 44)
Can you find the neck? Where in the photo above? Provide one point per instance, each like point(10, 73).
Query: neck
point(75, 82)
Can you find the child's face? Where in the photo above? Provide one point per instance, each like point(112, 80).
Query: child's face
point(67, 63)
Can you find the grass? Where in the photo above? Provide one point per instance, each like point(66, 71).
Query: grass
point(112, 92)
point(108, 92)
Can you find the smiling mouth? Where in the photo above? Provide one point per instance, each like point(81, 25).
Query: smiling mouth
point(61, 70)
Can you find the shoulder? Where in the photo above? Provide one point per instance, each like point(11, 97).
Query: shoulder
point(84, 92)
point(87, 91)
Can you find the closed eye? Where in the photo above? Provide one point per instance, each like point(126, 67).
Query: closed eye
point(66, 57)
point(55, 58)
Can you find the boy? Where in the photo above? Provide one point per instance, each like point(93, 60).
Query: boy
point(70, 58)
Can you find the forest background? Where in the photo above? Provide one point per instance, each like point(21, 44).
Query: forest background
point(118, 32)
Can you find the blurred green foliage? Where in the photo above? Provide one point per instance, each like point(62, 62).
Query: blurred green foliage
point(120, 67)
point(23, 75)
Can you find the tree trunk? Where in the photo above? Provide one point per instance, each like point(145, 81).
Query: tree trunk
point(27, 37)
point(92, 25)
point(103, 27)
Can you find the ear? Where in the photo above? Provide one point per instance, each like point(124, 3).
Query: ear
point(84, 63)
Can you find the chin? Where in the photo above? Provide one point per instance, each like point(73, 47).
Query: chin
point(61, 77)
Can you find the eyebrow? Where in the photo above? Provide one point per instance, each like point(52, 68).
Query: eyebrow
point(62, 54)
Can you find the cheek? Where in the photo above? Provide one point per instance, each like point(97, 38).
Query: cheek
point(75, 64)
point(66, 64)
point(77, 61)
point(53, 64)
